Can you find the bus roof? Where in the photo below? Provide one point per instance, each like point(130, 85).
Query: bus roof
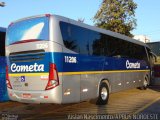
point(94, 28)
point(2, 29)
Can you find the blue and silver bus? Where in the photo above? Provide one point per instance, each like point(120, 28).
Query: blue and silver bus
point(53, 59)
point(3, 87)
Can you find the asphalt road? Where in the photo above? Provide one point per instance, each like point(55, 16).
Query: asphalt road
point(124, 104)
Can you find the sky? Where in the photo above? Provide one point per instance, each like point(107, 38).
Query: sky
point(147, 12)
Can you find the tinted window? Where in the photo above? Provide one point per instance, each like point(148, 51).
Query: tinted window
point(125, 49)
point(80, 36)
point(85, 41)
point(95, 43)
point(2, 43)
point(118, 47)
point(139, 52)
point(66, 34)
point(75, 38)
point(35, 28)
point(155, 47)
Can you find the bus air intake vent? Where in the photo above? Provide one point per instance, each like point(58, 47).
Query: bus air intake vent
point(27, 56)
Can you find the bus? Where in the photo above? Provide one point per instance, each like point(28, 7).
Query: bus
point(155, 47)
point(53, 59)
point(3, 87)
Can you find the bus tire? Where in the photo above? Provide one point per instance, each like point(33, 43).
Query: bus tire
point(145, 84)
point(103, 94)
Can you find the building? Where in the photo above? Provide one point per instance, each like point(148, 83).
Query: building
point(142, 38)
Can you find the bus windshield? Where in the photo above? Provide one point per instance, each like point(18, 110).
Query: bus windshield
point(29, 29)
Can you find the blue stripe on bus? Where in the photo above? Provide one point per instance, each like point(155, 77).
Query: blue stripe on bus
point(94, 63)
point(84, 63)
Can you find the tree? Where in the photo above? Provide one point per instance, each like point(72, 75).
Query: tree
point(117, 16)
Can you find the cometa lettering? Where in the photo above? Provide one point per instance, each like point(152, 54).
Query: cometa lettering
point(130, 65)
point(27, 68)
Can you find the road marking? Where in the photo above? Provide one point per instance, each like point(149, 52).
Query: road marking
point(146, 106)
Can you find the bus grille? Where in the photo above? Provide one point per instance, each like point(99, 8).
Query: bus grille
point(27, 56)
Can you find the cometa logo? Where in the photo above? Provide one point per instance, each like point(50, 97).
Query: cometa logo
point(27, 68)
point(130, 65)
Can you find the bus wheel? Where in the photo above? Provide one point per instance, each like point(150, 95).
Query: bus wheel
point(145, 84)
point(103, 94)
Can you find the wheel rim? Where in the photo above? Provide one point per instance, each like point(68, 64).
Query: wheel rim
point(104, 93)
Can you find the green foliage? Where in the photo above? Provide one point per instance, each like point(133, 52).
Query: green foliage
point(117, 16)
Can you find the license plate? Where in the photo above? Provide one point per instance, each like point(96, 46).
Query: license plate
point(26, 95)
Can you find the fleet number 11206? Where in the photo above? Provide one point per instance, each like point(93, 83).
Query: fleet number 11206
point(70, 59)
